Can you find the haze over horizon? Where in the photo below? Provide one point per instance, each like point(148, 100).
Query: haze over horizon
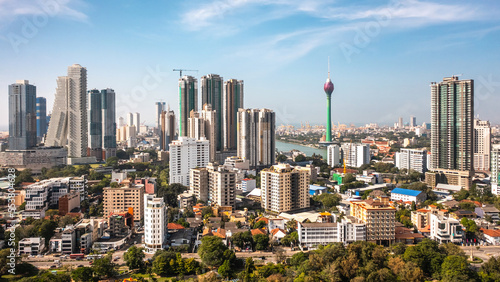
point(383, 54)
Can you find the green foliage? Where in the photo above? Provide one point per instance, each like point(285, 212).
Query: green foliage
point(490, 270)
point(348, 178)
point(242, 239)
point(281, 158)
point(83, 274)
point(328, 200)
point(291, 238)
point(298, 258)
point(426, 255)
point(259, 224)
point(469, 206)
point(383, 167)
point(261, 241)
point(170, 193)
point(300, 158)
point(225, 270)
point(470, 226)
point(112, 161)
point(104, 267)
point(461, 195)
point(134, 257)
point(456, 268)
point(46, 276)
point(404, 216)
point(211, 251)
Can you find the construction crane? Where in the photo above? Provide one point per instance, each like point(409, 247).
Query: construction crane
point(181, 70)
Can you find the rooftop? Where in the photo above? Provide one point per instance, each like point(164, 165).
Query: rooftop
point(407, 192)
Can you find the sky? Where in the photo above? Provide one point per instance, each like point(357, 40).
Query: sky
point(383, 54)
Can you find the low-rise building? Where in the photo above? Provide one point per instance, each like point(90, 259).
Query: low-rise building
point(68, 242)
point(488, 210)
point(31, 246)
point(313, 234)
point(185, 199)
point(491, 236)
point(407, 195)
point(420, 218)
point(247, 184)
point(69, 202)
point(445, 229)
point(317, 190)
point(463, 213)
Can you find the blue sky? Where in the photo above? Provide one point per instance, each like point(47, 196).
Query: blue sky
point(383, 54)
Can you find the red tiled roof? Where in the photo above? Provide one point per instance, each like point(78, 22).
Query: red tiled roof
point(263, 219)
point(257, 231)
point(426, 229)
point(173, 225)
point(423, 210)
point(491, 232)
point(221, 233)
point(469, 201)
point(276, 230)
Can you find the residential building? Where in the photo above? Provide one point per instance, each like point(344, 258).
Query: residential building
point(452, 128)
point(22, 115)
point(407, 195)
point(46, 193)
point(411, 159)
point(136, 121)
point(41, 117)
point(69, 202)
point(379, 218)
point(149, 184)
point(284, 188)
point(445, 229)
point(232, 101)
point(68, 242)
point(95, 124)
point(495, 169)
point(333, 155)
point(155, 224)
point(167, 129)
point(356, 154)
point(108, 108)
point(31, 246)
point(120, 224)
point(482, 145)
point(492, 236)
point(202, 124)
point(488, 210)
point(248, 184)
point(188, 95)
point(462, 178)
point(185, 200)
point(69, 124)
point(400, 123)
point(314, 234)
point(413, 121)
point(256, 137)
point(186, 154)
point(123, 198)
point(212, 94)
point(214, 185)
point(420, 218)
point(159, 108)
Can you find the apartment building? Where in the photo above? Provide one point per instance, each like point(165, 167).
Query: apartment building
point(186, 154)
point(323, 233)
point(155, 224)
point(31, 246)
point(379, 218)
point(445, 229)
point(411, 159)
point(123, 198)
point(214, 184)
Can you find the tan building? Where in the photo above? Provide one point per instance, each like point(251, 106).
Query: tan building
point(214, 184)
point(123, 198)
point(420, 218)
point(450, 177)
point(379, 217)
point(284, 188)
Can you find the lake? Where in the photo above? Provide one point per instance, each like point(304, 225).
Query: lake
point(282, 146)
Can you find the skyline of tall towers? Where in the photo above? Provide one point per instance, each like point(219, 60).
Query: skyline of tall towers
point(452, 124)
point(69, 124)
point(95, 124)
point(102, 124)
point(22, 115)
point(232, 101)
point(212, 92)
point(256, 136)
point(188, 101)
point(167, 129)
point(41, 117)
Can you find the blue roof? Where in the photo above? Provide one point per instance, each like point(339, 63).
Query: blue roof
point(407, 192)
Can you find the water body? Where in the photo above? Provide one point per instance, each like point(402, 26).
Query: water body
point(282, 146)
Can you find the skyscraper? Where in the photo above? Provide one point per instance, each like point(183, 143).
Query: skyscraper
point(159, 108)
point(212, 94)
point(155, 223)
point(108, 106)
point(328, 87)
point(167, 129)
point(231, 102)
point(130, 119)
point(256, 136)
point(185, 154)
point(482, 145)
point(41, 116)
point(333, 157)
point(203, 124)
point(22, 115)
point(452, 116)
point(136, 119)
point(68, 124)
point(356, 155)
point(400, 122)
point(188, 101)
point(95, 124)
point(413, 121)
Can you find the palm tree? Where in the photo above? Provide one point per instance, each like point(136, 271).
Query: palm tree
point(291, 225)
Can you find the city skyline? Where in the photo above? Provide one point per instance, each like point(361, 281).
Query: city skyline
point(289, 43)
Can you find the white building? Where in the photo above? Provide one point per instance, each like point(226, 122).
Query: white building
point(185, 154)
point(495, 169)
point(333, 157)
point(202, 124)
point(482, 145)
point(445, 229)
point(411, 159)
point(214, 185)
point(248, 184)
point(136, 118)
point(407, 195)
point(31, 246)
point(314, 234)
point(41, 195)
point(155, 224)
point(356, 154)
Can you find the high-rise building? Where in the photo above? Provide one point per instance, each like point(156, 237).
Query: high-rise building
point(159, 108)
point(41, 116)
point(284, 188)
point(231, 102)
point(482, 145)
point(155, 224)
point(188, 101)
point(212, 94)
point(22, 115)
point(95, 124)
point(413, 121)
point(186, 154)
point(356, 154)
point(131, 136)
point(121, 122)
point(452, 116)
point(203, 124)
point(411, 159)
point(124, 198)
point(69, 124)
point(214, 185)
point(136, 120)
point(108, 105)
point(379, 217)
point(167, 129)
point(400, 122)
point(130, 119)
point(333, 157)
point(256, 136)
point(495, 169)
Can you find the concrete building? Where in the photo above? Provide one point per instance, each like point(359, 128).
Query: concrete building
point(159, 108)
point(186, 154)
point(450, 177)
point(248, 184)
point(407, 195)
point(256, 137)
point(482, 145)
point(34, 159)
point(120, 224)
point(333, 155)
point(123, 198)
point(22, 115)
point(495, 169)
point(411, 159)
point(214, 185)
point(136, 121)
point(46, 193)
point(356, 154)
point(284, 188)
point(41, 117)
point(379, 218)
point(232, 101)
point(68, 241)
point(185, 200)
point(413, 121)
point(188, 95)
point(212, 94)
point(452, 128)
point(108, 108)
point(149, 184)
point(155, 224)
point(69, 125)
point(31, 246)
point(314, 234)
point(445, 229)
point(203, 125)
point(95, 124)
point(167, 129)
point(69, 202)
point(420, 218)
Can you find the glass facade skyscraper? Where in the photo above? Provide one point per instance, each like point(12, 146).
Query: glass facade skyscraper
point(22, 115)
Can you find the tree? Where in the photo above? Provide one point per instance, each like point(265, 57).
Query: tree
point(104, 267)
point(451, 249)
point(112, 161)
point(470, 226)
point(461, 195)
point(161, 262)
point(83, 274)
point(259, 224)
point(281, 158)
point(225, 269)
point(211, 251)
point(4, 267)
point(348, 178)
point(261, 241)
point(298, 258)
point(300, 158)
point(242, 239)
point(23, 176)
point(134, 257)
point(66, 220)
point(121, 154)
point(456, 268)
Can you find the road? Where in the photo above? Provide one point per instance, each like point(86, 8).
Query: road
point(484, 252)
